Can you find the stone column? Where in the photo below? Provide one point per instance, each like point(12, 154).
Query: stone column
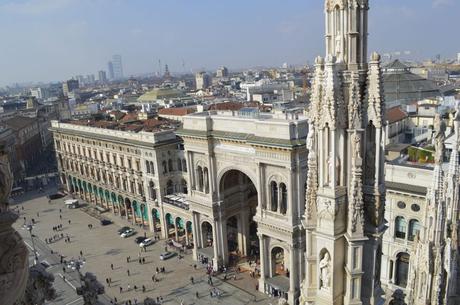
point(263, 262)
point(292, 274)
point(214, 245)
point(196, 235)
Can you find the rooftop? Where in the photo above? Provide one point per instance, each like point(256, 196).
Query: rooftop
point(19, 122)
point(129, 122)
point(395, 114)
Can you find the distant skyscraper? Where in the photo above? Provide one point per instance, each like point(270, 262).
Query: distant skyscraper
point(102, 76)
point(117, 67)
point(110, 70)
point(458, 58)
point(167, 74)
point(222, 72)
point(202, 80)
point(69, 86)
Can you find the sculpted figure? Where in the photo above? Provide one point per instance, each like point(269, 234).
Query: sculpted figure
point(6, 180)
point(325, 271)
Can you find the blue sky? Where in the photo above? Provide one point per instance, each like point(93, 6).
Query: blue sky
point(48, 40)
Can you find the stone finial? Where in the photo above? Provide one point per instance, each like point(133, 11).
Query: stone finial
point(331, 59)
point(319, 60)
point(375, 56)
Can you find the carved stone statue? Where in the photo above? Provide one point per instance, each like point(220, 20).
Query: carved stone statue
point(325, 271)
point(6, 180)
point(311, 138)
point(330, 162)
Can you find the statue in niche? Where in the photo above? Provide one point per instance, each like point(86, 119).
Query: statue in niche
point(325, 271)
point(311, 138)
point(330, 162)
point(338, 45)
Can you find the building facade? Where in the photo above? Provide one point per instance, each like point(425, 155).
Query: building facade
point(127, 172)
point(245, 170)
point(406, 190)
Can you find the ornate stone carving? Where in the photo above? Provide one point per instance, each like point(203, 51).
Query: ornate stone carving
point(438, 138)
point(6, 180)
point(327, 209)
point(374, 97)
point(355, 102)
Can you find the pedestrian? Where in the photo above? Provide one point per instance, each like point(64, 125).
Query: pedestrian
point(60, 211)
point(129, 287)
point(121, 289)
point(143, 288)
point(143, 260)
point(234, 277)
point(135, 288)
point(69, 221)
point(191, 279)
point(157, 270)
point(128, 272)
point(197, 295)
point(111, 266)
point(63, 278)
point(153, 278)
point(116, 301)
point(60, 217)
point(81, 253)
point(63, 269)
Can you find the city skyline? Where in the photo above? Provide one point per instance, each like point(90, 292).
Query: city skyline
point(55, 40)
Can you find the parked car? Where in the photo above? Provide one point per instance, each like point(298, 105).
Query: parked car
point(147, 242)
point(105, 222)
point(139, 239)
point(128, 233)
point(122, 230)
point(167, 255)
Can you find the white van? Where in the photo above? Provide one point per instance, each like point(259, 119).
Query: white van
point(72, 203)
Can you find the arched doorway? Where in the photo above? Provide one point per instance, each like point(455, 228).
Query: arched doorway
point(402, 269)
point(170, 226)
point(278, 262)
point(189, 232)
point(128, 208)
point(180, 229)
point(136, 211)
point(238, 192)
point(156, 220)
point(206, 230)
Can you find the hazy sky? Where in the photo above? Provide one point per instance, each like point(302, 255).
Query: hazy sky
point(48, 40)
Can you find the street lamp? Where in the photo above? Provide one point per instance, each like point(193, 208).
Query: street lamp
point(29, 228)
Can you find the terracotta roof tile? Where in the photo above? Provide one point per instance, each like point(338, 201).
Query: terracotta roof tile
point(176, 111)
point(395, 114)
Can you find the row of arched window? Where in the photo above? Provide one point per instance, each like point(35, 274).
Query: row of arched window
point(168, 166)
point(100, 175)
point(202, 179)
point(149, 167)
point(278, 197)
point(401, 228)
point(172, 188)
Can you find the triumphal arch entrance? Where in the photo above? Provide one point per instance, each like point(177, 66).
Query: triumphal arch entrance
point(247, 173)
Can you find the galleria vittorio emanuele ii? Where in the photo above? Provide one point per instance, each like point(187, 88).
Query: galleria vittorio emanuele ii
point(308, 205)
